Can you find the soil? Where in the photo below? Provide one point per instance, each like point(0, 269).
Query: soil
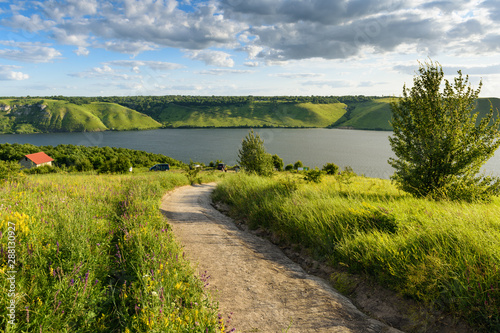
point(252, 278)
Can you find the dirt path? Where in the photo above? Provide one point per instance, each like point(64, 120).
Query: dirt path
point(265, 290)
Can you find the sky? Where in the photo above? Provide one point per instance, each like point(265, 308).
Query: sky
point(242, 47)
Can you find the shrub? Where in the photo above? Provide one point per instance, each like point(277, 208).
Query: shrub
point(313, 175)
point(331, 168)
point(289, 167)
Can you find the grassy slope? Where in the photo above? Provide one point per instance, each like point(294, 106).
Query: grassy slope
point(376, 114)
point(62, 116)
point(94, 254)
point(257, 114)
point(445, 254)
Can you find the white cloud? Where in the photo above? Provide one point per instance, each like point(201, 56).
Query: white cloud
point(134, 65)
point(127, 47)
point(211, 57)
point(7, 73)
point(28, 52)
point(82, 51)
point(298, 75)
point(30, 24)
point(220, 71)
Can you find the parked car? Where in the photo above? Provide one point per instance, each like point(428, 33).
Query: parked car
point(221, 166)
point(160, 167)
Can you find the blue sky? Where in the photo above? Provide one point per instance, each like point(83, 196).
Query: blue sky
point(242, 47)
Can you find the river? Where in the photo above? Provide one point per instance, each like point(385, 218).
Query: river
point(366, 152)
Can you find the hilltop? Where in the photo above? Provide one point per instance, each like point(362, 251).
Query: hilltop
point(82, 114)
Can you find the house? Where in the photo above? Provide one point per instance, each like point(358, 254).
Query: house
point(35, 160)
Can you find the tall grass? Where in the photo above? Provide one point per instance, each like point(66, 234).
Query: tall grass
point(445, 254)
point(94, 254)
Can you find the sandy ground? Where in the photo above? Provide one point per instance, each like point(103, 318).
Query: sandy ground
point(252, 278)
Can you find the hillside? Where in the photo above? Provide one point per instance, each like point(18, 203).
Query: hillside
point(46, 115)
point(376, 113)
point(80, 114)
point(258, 114)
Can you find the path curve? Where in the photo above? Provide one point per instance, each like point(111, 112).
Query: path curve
point(252, 278)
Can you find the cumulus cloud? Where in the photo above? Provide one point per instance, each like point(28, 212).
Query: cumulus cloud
point(7, 73)
point(28, 52)
point(82, 51)
point(211, 57)
point(269, 31)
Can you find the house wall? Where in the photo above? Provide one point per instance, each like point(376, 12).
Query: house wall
point(26, 163)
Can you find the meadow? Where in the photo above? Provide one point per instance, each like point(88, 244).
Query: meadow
point(444, 254)
point(94, 254)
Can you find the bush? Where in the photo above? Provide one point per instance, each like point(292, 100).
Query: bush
point(313, 175)
point(331, 168)
point(289, 167)
point(277, 162)
point(8, 169)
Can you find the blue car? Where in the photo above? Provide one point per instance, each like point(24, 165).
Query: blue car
point(160, 167)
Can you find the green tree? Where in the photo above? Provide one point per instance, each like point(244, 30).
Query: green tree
point(439, 143)
point(298, 164)
point(331, 168)
point(253, 156)
point(277, 162)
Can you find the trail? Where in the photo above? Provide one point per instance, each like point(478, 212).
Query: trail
point(252, 278)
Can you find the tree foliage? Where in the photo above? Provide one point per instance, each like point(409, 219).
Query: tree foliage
point(253, 156)
point(439, 143)
point(277, 162)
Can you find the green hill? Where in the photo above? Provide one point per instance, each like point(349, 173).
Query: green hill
point(81, 114)
point(257, 114)
point(376, 113)
point(37, 115)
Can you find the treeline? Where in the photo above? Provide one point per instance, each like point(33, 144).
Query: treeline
point(145, 104)
point(82, 158)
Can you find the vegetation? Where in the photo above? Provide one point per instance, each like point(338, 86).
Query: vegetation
point(438, 145)
point(94, 254)
point(442, 253)
point(48, 115)
point(252, 156)
point(59, 113)
point(331, 169)
point(82, 158)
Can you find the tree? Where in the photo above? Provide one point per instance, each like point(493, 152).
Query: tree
point(277, 162)
point(298, 164)
point(331, 168)
point(253, 156)
point(439, 143)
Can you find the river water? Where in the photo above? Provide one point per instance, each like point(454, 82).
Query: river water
point(366, 152)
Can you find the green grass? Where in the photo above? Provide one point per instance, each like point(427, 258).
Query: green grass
point(444, 254)
point(100, 116)
point(257, 114)
point(62, 116)
point(94, 254)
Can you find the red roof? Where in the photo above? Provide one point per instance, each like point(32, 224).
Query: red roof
point(39, 158)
